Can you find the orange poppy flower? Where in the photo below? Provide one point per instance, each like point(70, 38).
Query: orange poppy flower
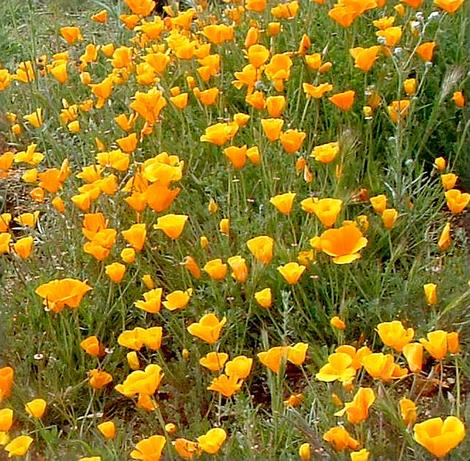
point(292, 140)
point(358, 409)
point(6, 382)
point(439, 437)
point(426, 50)
point(60, 293)
point(342, 244)
point(340, 439)
point(261, 248)
point(456, 200)
point(172, 225)
point(364, 58)
point(208, 328)
point(343, 101)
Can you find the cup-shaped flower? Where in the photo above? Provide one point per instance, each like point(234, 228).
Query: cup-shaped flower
point(361, 455)
point(115, 271)
point(296, 354)
point(379, 203)
point(439, 437)
point(338, 323)
point(439, 342)
point(340, 439)
point(212, 441)
point(239, 268)
point(325, 153)
point(274, 357)
point(407, 411)
point(226, 385)
point(108, 429)
point(456, 200)
point(272, 127)
point(151, 302)
point(394, 334)
point(36, 408)
point(99, 378)
point(172, 224)
point(358, 409)
point(177, 299)
point(448, 180)
point(264, 298)
point(214, 361)
point(135, 236)
point(60, 293)
point(382, 366)
point(6, 419)
point(292, 140)
point(23, 247)
point(220, 133)
point(364, 58)
point(208, 328)
point(430, 293)
point(261, 248)
point(187, 449)
point(283, 202)
point(19, 446)
point(240, 367)
point(343, 244)
point(291, 272)
point(6, 382)
point(236, 156)
point(339, 367)
point(325, 209)
point(356, 355)
point(305, 452)
point(343, 101)
point(149, 449)
point(144, 382)
point(389, 217)
point(216, 269)
point(413, 353)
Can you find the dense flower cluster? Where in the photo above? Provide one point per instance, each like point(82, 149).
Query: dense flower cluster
point(228, 87)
